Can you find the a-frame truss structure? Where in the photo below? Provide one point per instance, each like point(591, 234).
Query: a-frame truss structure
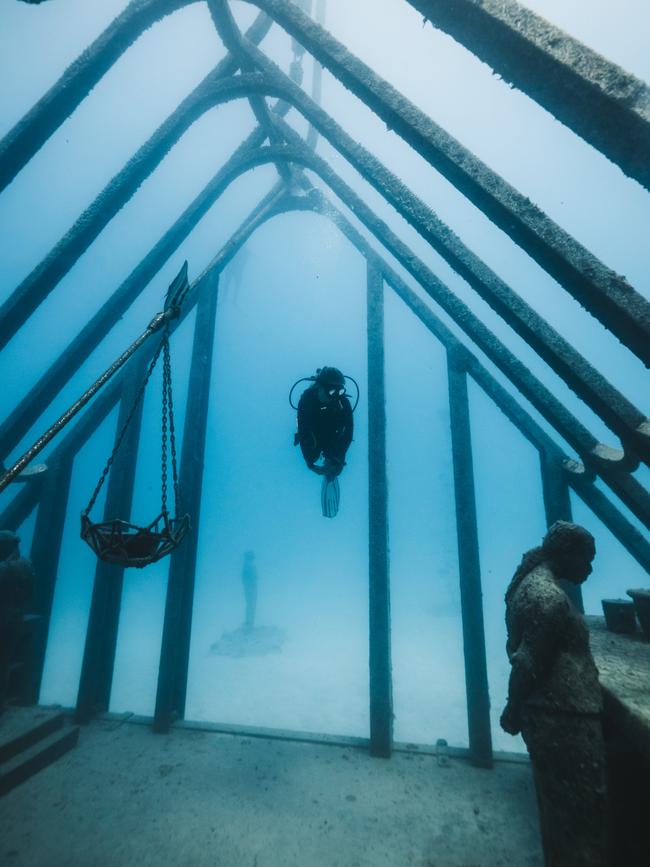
point(601, 102)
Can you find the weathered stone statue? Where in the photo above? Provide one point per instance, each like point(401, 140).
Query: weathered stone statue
point(16, 583)
point(249, 580)
point(554, 698)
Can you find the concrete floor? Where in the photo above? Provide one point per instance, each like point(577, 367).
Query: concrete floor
point(201, 799)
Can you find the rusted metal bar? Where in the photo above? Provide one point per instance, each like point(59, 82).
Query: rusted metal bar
point(33, 130)
point(45, 553)
point(605, 294)
point(381, 690)
point(605, 105)
point(557, 506)
point(17, 424)
point(96, 677)
point(469, 568)
point(175, 647)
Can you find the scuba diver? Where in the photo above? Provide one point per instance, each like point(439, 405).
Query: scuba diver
point(325, 428)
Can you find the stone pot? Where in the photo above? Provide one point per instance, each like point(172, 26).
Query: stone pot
point(619, 615)
point(641, 599)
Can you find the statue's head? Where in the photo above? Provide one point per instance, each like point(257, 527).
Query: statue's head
point(8, 544)
point(569, 549)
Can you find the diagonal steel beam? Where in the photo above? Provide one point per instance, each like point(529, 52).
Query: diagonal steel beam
point(605, 105)
point(33, 130)
point(23, 503)
point(625, 486)
point(213, 90)
point(628, 422)
point(18, 423)
point(606, 295)
point(231, 37)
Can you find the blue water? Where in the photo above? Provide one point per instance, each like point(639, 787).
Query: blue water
point(293, 300)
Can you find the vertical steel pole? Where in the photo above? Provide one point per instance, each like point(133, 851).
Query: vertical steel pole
point(381, 698)
point(45, 553)
point(476, 682)
point(557, 505)
point(101, 636)
point(175, 649)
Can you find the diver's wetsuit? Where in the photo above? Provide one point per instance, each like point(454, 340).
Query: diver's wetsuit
point(324, 428)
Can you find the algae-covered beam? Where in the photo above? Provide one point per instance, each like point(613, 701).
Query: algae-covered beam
point(213, 90)
point(625, 486)
point(570, 428)
point(231, 38)
point(606, 294)
point(605, 105)
point(33, 130)
point(628, 422)
point(96, 677)
point(177, 627)
point(17, 424)
point(576, 476)
point(469, 568)
point(381, 693)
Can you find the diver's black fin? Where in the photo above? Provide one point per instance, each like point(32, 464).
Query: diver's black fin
point(330, 495)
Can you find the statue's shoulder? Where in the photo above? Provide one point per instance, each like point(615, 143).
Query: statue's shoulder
point(540, 588)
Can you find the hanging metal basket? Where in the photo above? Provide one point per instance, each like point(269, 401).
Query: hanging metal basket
point(127, 544)
point(116, 540)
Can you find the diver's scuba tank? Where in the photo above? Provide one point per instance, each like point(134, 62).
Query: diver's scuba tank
point(327, 377)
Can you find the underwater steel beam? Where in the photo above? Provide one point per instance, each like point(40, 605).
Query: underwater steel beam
point(601, 102)
point(231, 37)
point(628, 422)
point(577, 477)
point(27, 499)
point(381, 695)
point(597, 456)
point(175, 647)
point(570, 428)
point(213, 90)
point(33, 130)
point(70, 360)
point(96, 677)
point(606, 295)
point(469, 568)
point(557, 507)
point(590, 385)
point(45, 554)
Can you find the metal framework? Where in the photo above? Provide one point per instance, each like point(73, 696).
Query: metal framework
point(550, 67)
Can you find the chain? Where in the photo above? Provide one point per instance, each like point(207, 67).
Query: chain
point(120, 437)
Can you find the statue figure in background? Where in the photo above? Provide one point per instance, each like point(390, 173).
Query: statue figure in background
point(249, 580)
point(16, 584)
point(555, 700)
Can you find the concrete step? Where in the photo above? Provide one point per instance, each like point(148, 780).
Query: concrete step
point(29, 761)
point(21, 727)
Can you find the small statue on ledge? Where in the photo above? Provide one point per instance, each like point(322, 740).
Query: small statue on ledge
point(555, 700)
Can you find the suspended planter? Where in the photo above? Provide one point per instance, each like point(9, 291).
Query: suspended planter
point(119, 541)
